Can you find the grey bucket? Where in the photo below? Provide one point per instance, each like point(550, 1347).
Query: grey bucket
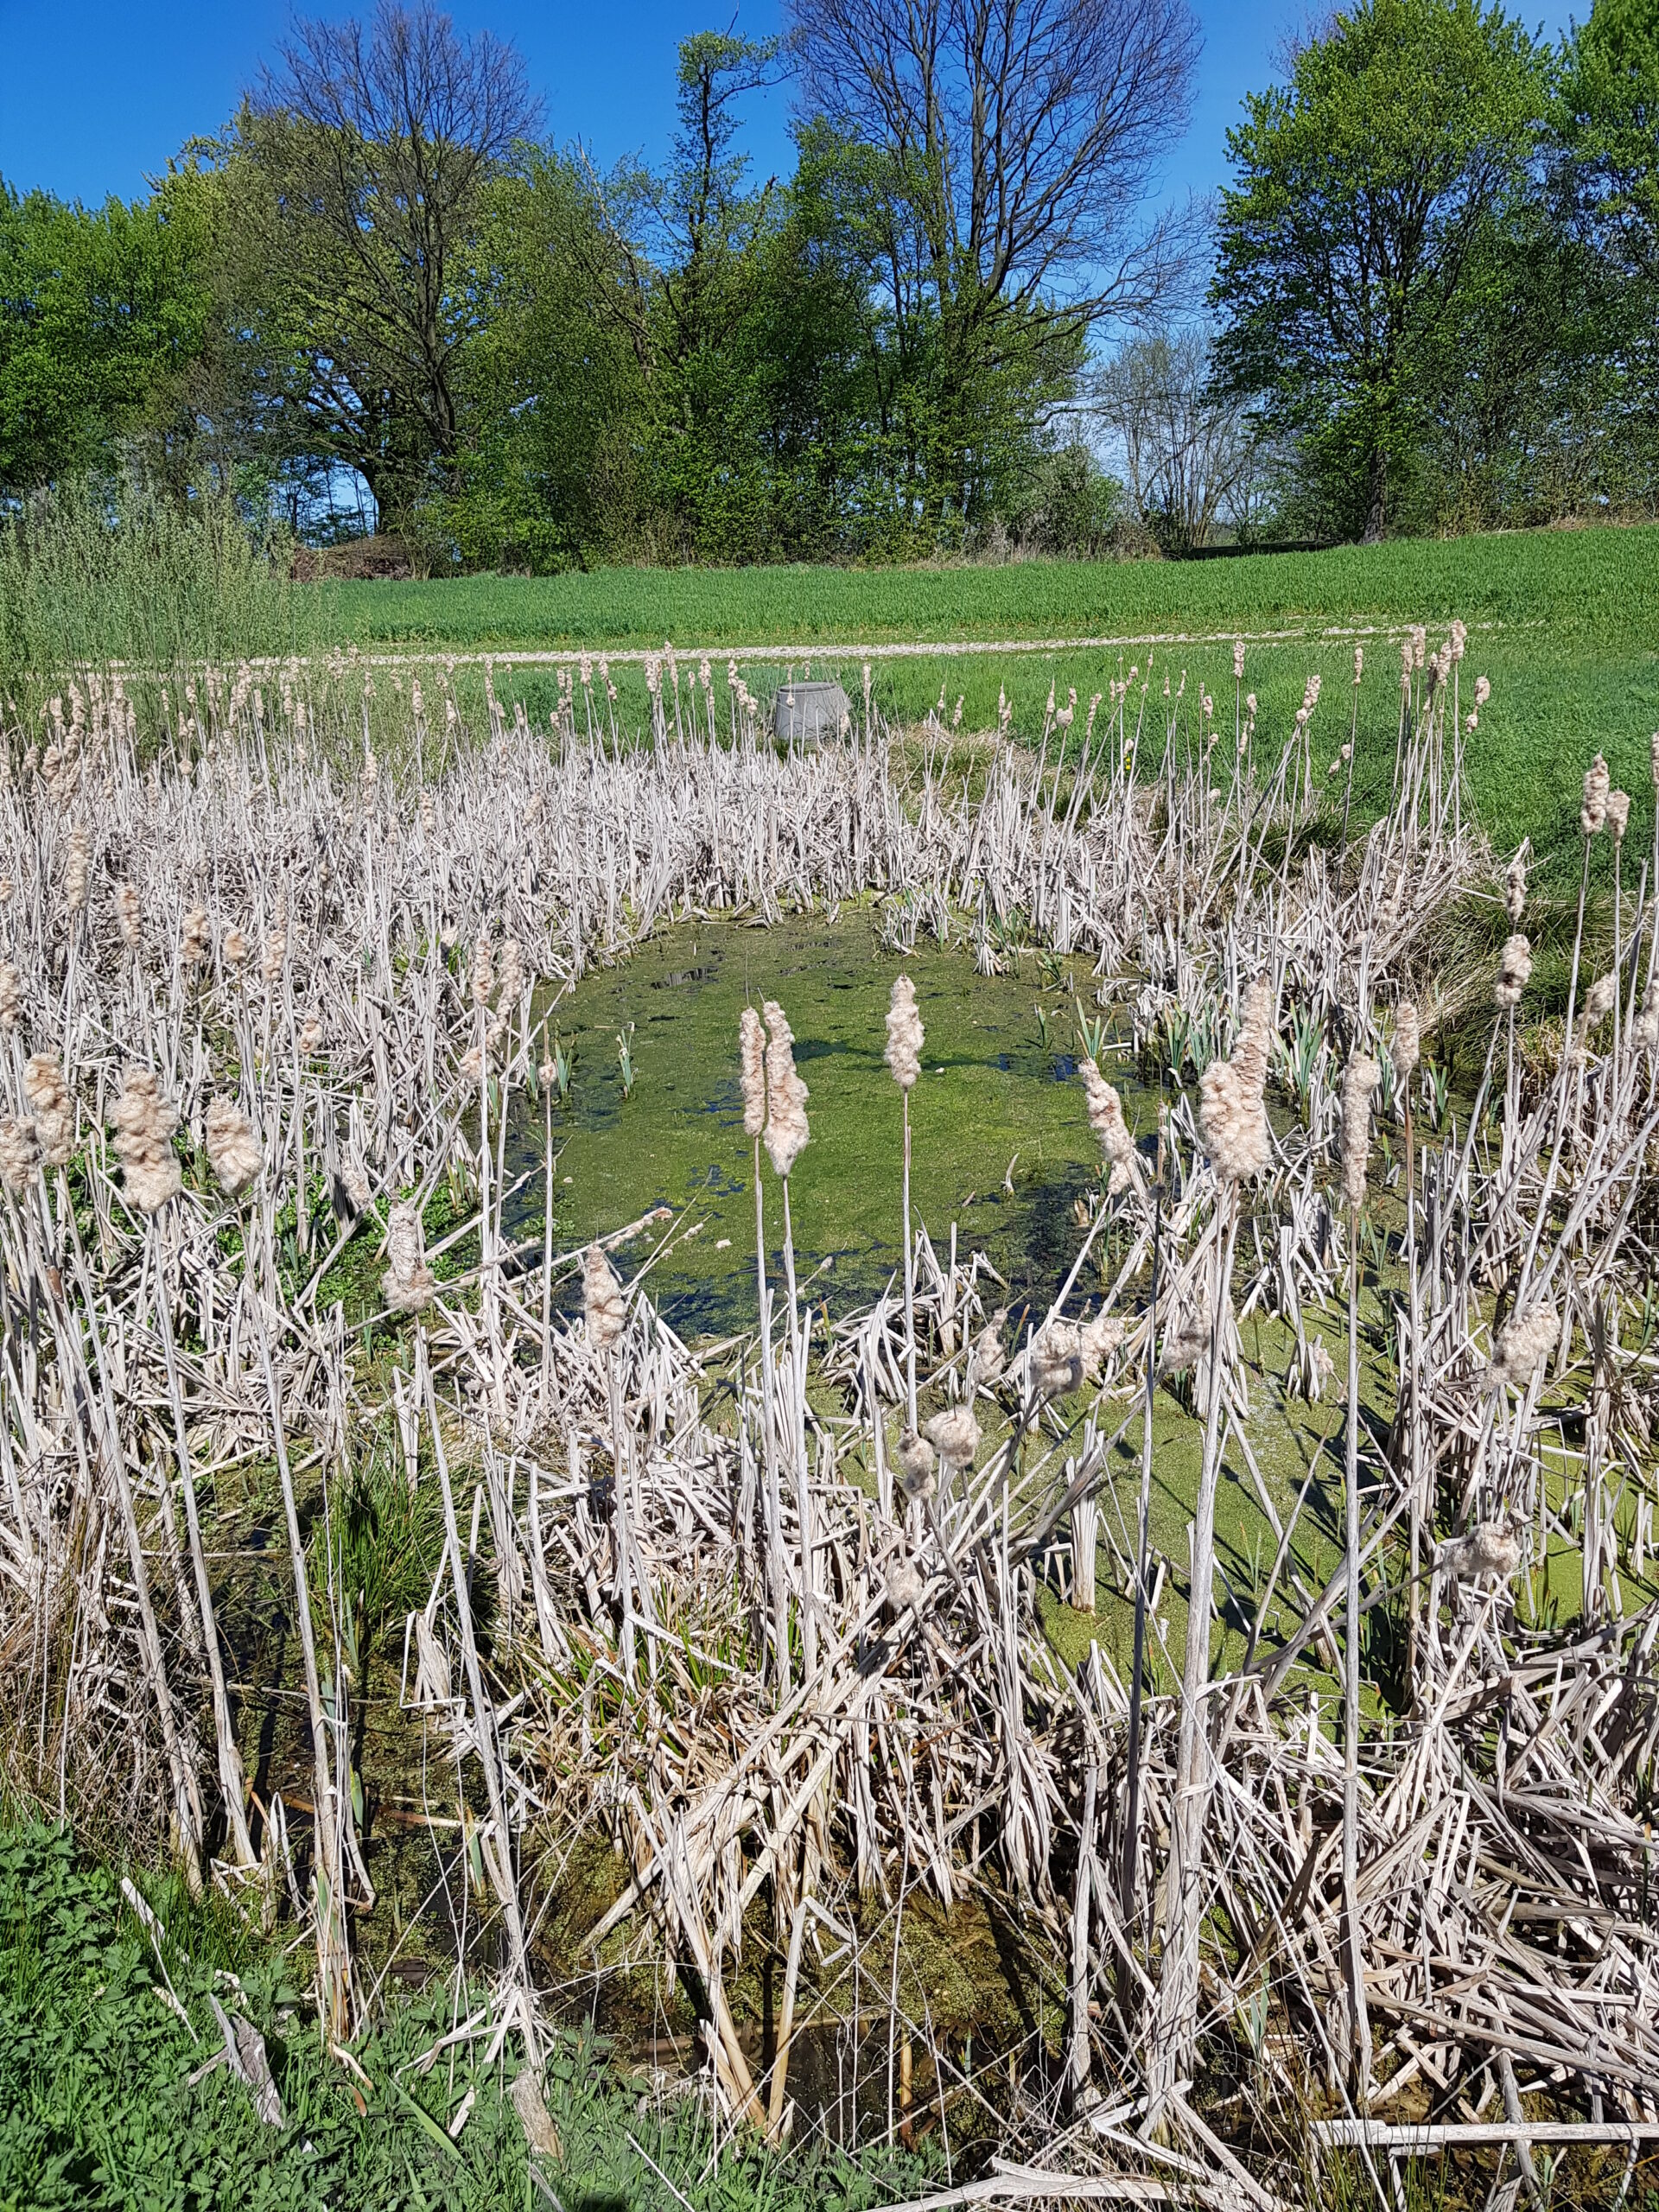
point(811, 712)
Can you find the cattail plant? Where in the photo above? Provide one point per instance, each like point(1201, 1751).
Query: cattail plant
point(786, 1136)
point(904, 1040)
point(752, 1084)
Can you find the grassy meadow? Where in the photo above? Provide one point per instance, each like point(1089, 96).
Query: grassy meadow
point(1565, 623)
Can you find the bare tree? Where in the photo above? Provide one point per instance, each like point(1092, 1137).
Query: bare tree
point(1020, 139)
point(1188, 450)
point(371, 147)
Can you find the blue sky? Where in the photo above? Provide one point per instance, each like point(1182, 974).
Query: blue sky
point(95, 94)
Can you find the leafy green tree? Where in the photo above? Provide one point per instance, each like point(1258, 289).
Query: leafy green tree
point(992, 165)
point(1368, 191)
point(104, 313)
point(554, 389)
point(357, 176)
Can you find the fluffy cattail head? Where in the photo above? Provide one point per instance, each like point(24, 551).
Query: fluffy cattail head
point(407, 1284)
point(1645, 1031)
point(1618, 814)
point(144, 1122)
point(917, 1474)
point(1524, 1342)
point(786, 1095)
point(752, 1071)
point(20, 1153)
point(483, 972)
point(1232, 1119)
point(193, 939)
point(1515, 966)
point(904, 1034)
point(1598, 788)
point(1105, 1110)
point(1057, 1359)
point(987, 1362)
point(10, 995)
point(77, 869)
point(233, 1148)
point(52, 1108)
point(127, 915)
point(1406, 1048)
point(1491, 1547)
point(603, 1308)
point(1358, 1085)
point(1515, 889)
point(511, 976)
point(1598, 1003)
point(954, 1435)
point(237, 950)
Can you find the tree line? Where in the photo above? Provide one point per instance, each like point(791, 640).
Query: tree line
point(1427, 299)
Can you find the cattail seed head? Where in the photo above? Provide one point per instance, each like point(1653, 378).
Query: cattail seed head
point(786, 1095)
point(1490, 1547)
point(1618, 815)
point(905, 1035)
point(310, 1037)
point(128, 917)
point(1524, 1342)
point(1358, 1084)
point(1232, 1119)
point(145, 1121)
point(1598, 788)
point(483, 972)
point(10, 995)
point(1515, 967)
point(987, 1362)
point(195, 941)
point(20, 1153)
point(1406, 1048)
point(1645, 1031)
point(752, 1071)
point(603, 1308)
point(1105, 1111)
point(233, 1148)
point(235, 949)
point(511, 974)
point(1057, 1359)
point(953, 1435)
point(77, 869)
point(917, 1477)
point(1515, 890)
point(1599, 998)
point(407, 1284)
point(52, 1108)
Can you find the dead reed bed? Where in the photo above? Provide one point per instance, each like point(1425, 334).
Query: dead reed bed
point(764, 1615)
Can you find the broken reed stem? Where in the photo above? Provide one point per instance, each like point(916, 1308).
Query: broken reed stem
point(1353, 1952)
point(333, 1939)
point(486, 1734)
point(1177, 2026)
point(232, 1783)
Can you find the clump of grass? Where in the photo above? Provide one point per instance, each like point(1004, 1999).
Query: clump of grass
point(100, 570)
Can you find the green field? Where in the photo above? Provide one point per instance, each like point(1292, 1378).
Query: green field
point(1565, 623)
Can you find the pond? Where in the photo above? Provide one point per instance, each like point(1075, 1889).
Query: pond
point(1001, 1146)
